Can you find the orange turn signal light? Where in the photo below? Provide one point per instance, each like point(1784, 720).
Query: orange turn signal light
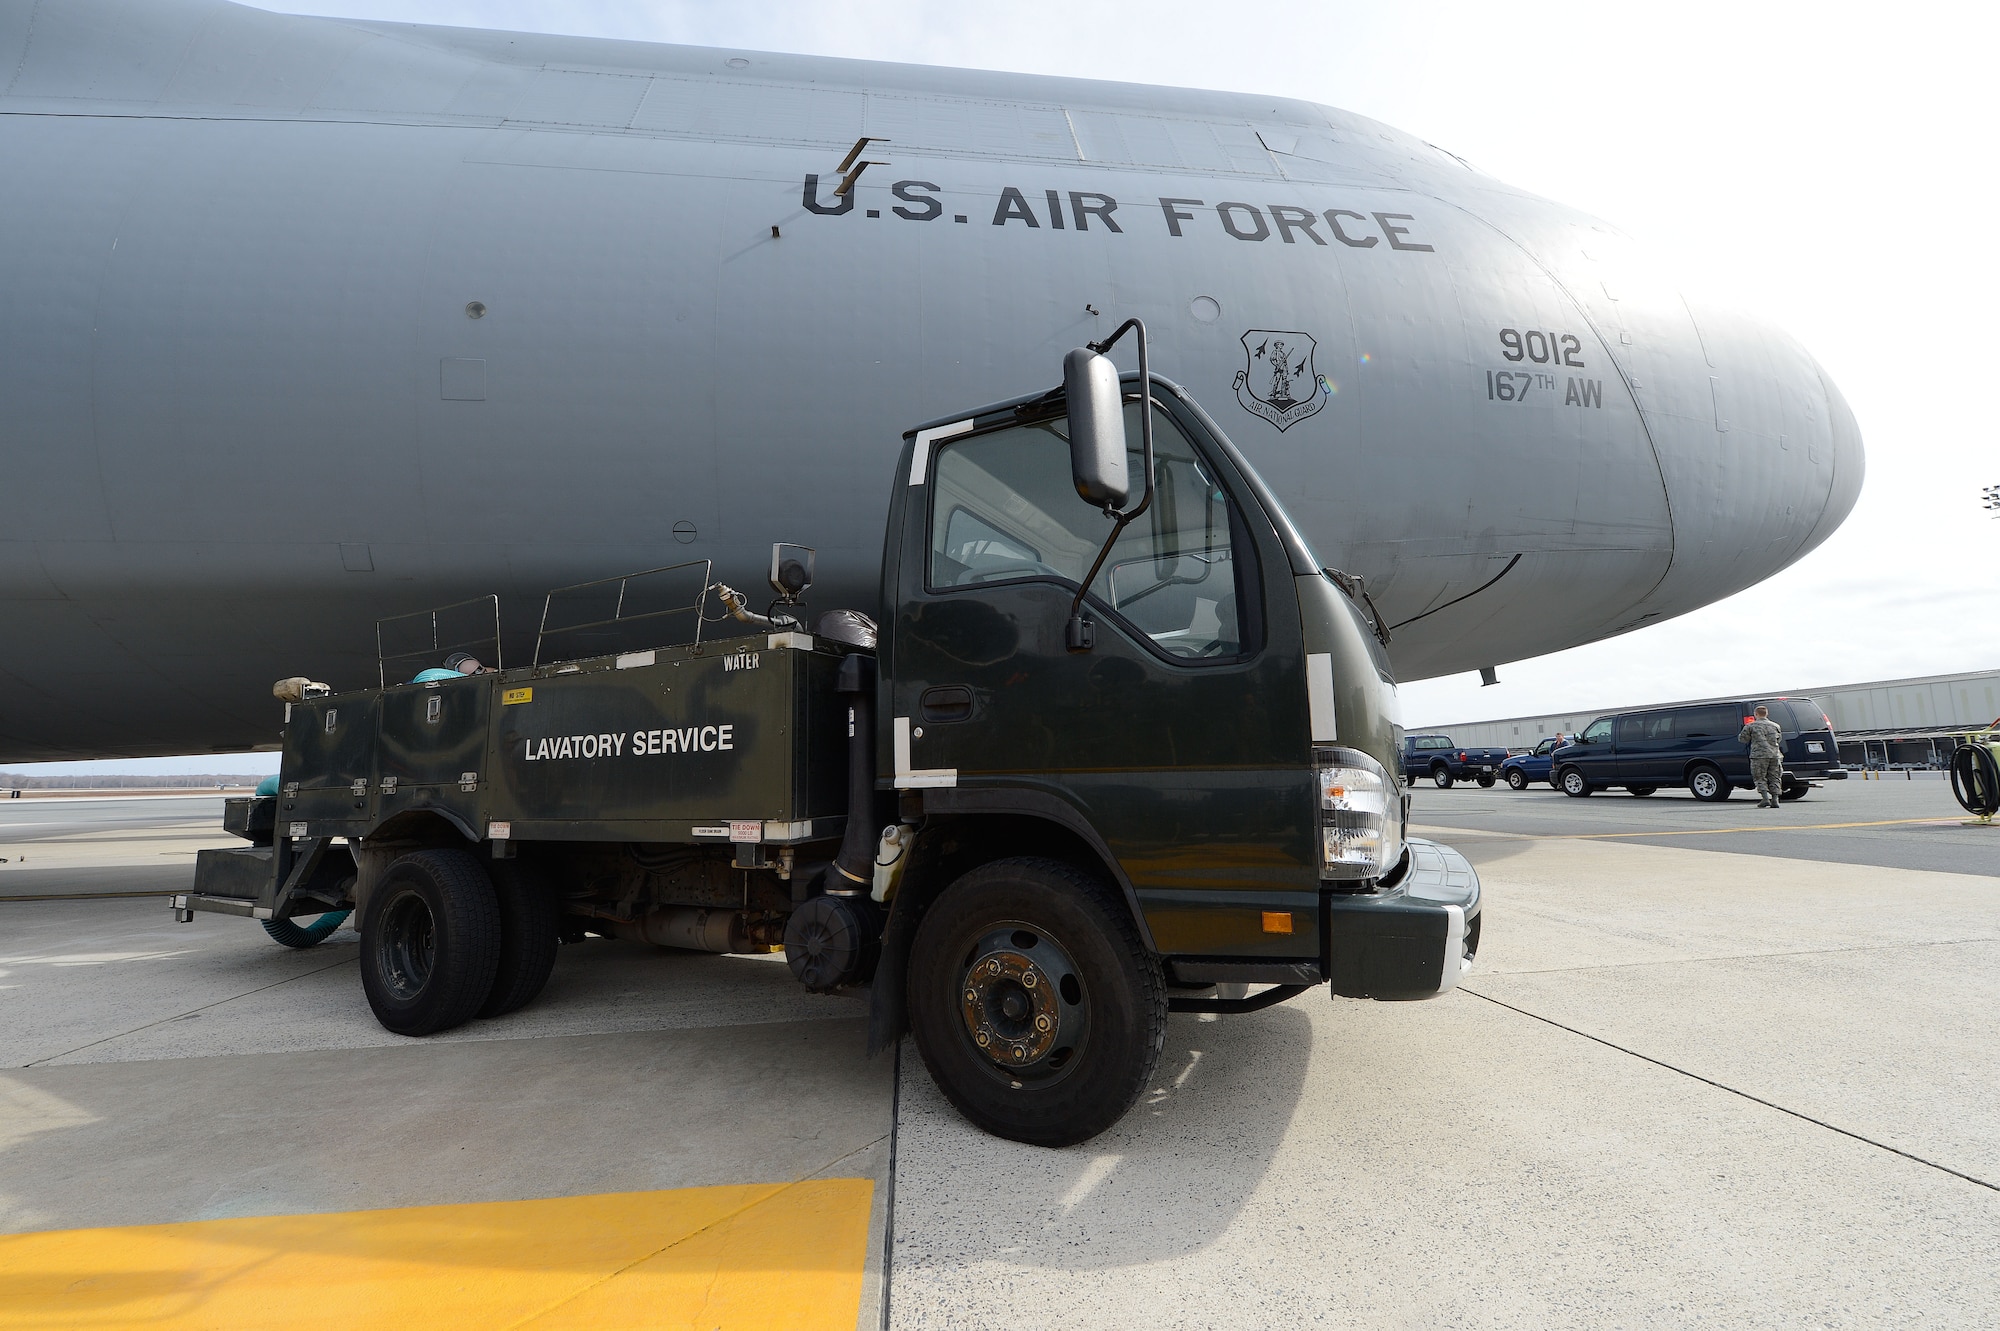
point(1277, 921)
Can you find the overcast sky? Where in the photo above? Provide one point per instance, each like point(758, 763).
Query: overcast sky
point(1825, 165)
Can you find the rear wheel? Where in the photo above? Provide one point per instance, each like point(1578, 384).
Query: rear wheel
point(1573, 783)
point(1441, 777)
point(1037, 1009)
point(1642, 791)
point(1517, 779)
point(530, 918)
point(1708, 783)
point(430, 942)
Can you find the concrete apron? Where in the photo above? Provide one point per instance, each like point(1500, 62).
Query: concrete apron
point(1682, 1086)
point(212, 1131)
point(1571, 1141)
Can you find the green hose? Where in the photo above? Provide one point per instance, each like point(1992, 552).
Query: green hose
point(293, 934)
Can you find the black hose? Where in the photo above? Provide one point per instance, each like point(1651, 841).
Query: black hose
point(854, 865)
point(1975, 780)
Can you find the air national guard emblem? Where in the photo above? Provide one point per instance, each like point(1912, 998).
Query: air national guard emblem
point(1277, 380)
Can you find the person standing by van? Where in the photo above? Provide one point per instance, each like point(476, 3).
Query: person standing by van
point(1767, 756)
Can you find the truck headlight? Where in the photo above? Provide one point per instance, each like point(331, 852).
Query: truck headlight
point(1360, 816)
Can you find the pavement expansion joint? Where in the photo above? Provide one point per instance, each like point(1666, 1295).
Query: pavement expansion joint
point(1732, 1090)
point(205, 1007)
point(889, 1185)
point(1745, 956)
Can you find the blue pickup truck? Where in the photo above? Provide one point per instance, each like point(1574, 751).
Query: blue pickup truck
point(1436, 757)
point(1537, 764)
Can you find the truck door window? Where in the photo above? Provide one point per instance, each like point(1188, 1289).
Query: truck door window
point(1003, 508)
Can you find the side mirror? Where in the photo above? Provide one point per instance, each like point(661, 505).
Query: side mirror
point(1096, 429)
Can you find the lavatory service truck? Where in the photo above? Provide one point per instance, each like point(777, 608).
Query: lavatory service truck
point(1119, 747)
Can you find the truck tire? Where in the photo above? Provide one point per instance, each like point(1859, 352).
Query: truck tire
point(1792, 790)
point(1035, 1005)
point(1485, 780)
point(1641, 791)
point(1573, 783)
point(430, 942)
point(1517, 779)
point(1441, 776)
point(1706, 782)
point(530, 918)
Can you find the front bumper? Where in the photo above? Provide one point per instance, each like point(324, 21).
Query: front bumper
point(1414, 939)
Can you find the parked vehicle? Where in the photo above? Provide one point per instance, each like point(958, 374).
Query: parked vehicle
point(1035, 813)
point(1436, 757)
point(1537, 764)
point(1695, 745)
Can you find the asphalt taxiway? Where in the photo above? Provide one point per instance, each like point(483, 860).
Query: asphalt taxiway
point(1700, 1075)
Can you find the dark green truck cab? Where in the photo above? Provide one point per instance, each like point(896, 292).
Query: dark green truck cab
point(1033, 820)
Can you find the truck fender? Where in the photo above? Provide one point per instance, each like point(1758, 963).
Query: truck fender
point(931, 868)
point(413, 829)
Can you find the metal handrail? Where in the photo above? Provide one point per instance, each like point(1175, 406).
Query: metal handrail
point(437, 647)
point(618, 615)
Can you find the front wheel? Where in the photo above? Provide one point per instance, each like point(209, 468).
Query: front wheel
point(1517, 779)
point(1574, 783)
point(1035, 1005)
point(430, 942)
point(1441, 777)
point(1708, 783)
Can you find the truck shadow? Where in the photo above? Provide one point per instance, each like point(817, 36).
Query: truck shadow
point(1167, 1180)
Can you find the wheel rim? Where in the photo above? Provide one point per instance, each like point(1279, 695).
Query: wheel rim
point(1516, 780)
point(408, 950)
point(1704, 784)
point(1440, 777)
point(1024, 1006)
point(1573, 782)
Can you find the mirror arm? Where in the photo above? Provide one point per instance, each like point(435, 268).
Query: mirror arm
point(1079, 634)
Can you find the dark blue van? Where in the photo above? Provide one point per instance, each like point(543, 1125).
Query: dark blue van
point(1695, 745)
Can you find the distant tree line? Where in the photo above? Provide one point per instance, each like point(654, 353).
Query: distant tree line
point(18, 781)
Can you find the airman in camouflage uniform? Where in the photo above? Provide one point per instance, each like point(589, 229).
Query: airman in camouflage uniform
point(1767, 757)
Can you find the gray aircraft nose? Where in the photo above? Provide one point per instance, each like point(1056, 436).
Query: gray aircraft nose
point(1760, 456)
point(1850, 463)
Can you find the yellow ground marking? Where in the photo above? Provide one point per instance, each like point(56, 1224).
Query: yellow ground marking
point(762, 1255)
point(1690, 831)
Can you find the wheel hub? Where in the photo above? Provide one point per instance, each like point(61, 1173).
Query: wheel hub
point(1011, 1008)
point(409, 945)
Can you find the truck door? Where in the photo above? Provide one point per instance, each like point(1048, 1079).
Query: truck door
point(1180, 737)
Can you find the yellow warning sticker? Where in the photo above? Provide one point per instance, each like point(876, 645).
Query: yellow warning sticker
point(512, 696)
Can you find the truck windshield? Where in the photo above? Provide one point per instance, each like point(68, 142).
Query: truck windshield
point(1003, 509)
